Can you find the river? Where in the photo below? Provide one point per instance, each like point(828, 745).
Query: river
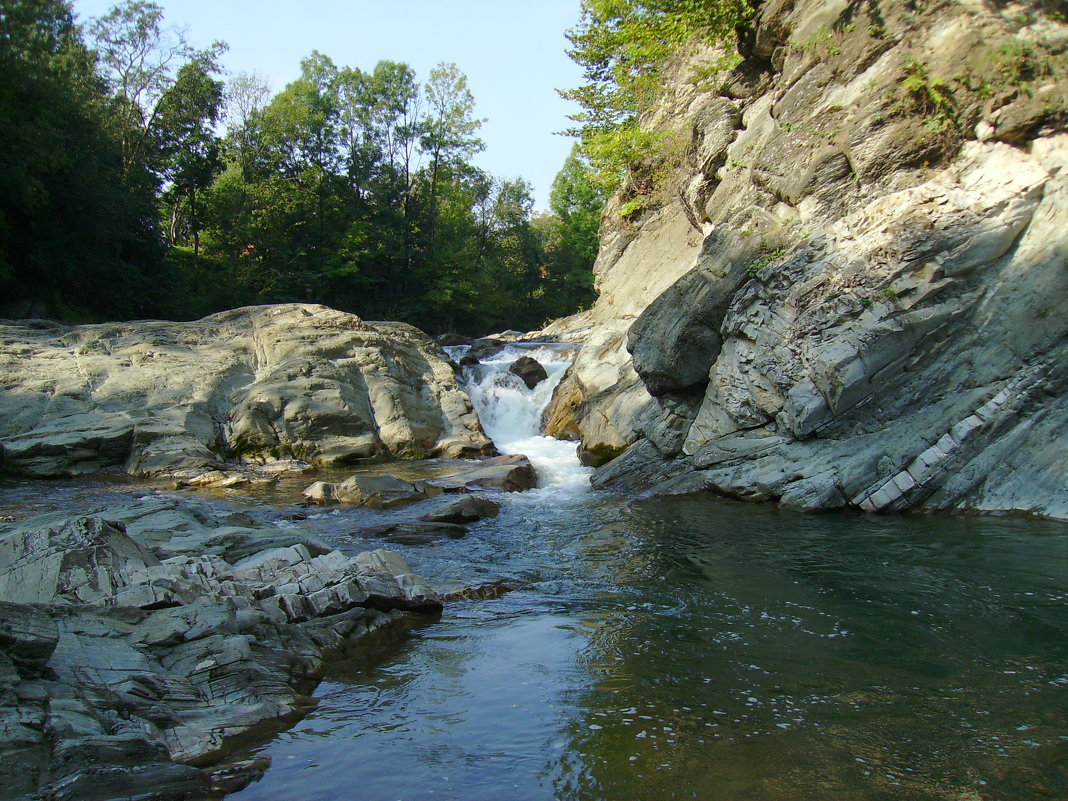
point(697, 648)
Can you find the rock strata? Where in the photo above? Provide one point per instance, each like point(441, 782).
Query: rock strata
point(125, 669)
point(840, 300)
point(261, 383)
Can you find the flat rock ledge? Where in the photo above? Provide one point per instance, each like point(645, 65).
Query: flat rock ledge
point(260, 384)
point(138, 644)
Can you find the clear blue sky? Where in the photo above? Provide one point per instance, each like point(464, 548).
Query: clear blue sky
point(512, 53)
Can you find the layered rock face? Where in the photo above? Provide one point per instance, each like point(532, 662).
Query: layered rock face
point(262, 382)
point(855, 297)
point(138, 644)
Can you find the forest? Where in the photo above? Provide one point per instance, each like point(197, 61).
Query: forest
point(138, 180)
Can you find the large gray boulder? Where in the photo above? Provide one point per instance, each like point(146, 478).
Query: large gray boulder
point(261, 383)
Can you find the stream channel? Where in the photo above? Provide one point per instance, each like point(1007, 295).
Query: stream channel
point(692, 647)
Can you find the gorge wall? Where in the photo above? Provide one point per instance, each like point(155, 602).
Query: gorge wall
point(851, 291)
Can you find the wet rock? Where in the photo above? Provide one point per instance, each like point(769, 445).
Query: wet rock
point(468, 509)
point(225, 479)
point(511, 473)
point(529, 370)
point(235, 776)
point(488, 591)
point(451, 340)
point(485, 348)
point(376, 492)
point(415, 533)
point(122, 674)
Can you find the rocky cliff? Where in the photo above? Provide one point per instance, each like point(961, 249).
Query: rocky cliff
point(260, 383)
point(851, 293)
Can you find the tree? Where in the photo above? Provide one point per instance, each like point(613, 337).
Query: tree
point(187, 142)
point(138, 59)
point(245, 96)
point(571, 234)
point(448, 135)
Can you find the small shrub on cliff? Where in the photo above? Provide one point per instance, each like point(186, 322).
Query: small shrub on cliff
point(763, 260)
point(1017, 62)
point(929, 96)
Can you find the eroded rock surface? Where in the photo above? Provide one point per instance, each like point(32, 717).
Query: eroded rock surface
point(263, 383)
point(839, 300)
point(124, 669)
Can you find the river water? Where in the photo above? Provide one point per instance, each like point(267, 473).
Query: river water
point(698, 648)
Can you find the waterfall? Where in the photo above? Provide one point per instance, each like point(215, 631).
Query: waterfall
point(511, 413)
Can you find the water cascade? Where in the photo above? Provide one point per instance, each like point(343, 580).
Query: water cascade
point(511, 414)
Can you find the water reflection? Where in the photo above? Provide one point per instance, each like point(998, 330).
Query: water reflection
point(690, 648)
point(827, 657)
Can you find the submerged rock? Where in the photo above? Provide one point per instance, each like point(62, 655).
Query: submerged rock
point(529, 370)
point(415, 533)
point(263, 383)
point(124, 670)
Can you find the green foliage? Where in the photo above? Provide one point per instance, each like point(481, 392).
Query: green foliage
point(77, 229)
point(1016, 62)
point(928, 96)
point(624, 46)
point(351, 188)
point(822, 43)
point(766, 257)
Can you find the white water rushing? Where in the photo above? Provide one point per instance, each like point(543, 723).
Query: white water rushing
point(511, 413)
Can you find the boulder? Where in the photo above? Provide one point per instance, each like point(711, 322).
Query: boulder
point(376, 492)
point(262, 384)
point(511, 473)
point(469, 509)
point(529, 370)
point(451, 340)
point(484, 349)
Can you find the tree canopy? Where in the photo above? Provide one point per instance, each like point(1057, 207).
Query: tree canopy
point(137, 180)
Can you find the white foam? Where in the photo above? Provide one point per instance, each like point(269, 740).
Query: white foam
point(511, 414)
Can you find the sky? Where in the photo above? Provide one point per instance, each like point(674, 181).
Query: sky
point(513, 54)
